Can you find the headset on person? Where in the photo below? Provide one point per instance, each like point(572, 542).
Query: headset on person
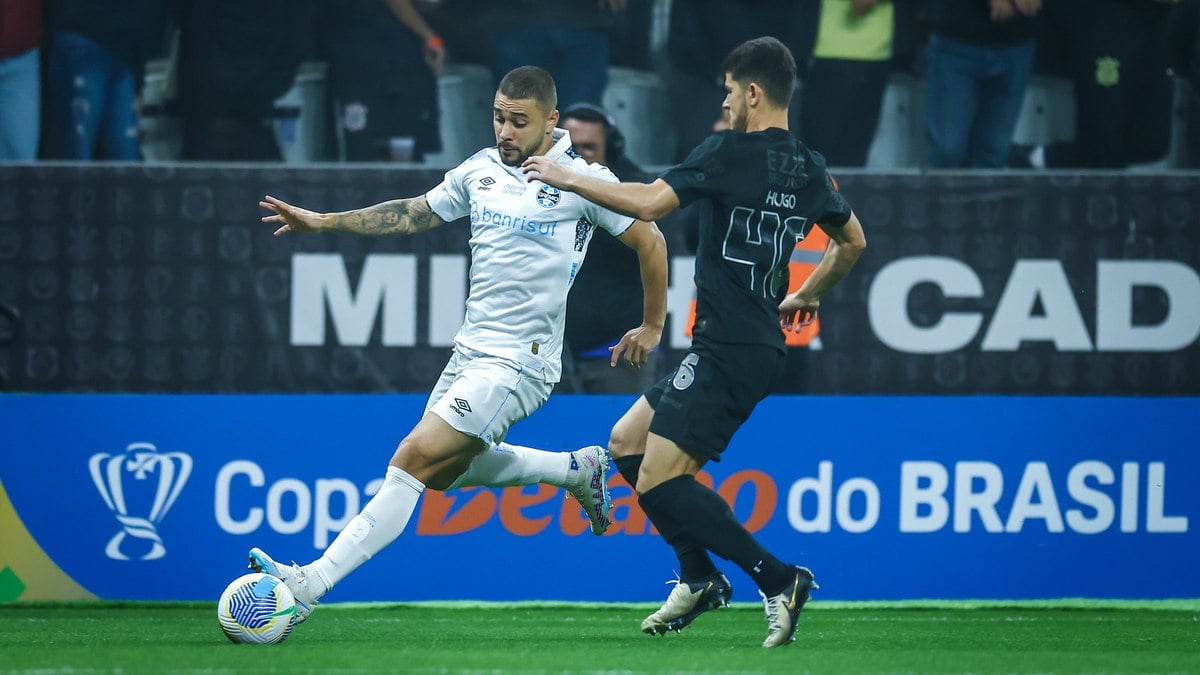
point(614, 140)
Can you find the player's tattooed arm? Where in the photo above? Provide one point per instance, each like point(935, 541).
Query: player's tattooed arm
point(398, 216)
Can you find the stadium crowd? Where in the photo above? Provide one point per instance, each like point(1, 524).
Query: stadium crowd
point(72, 72)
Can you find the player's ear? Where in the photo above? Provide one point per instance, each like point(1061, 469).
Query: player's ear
point(552, 120)
point(754, 93)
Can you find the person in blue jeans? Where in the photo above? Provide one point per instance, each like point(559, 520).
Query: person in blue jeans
point(97, 60)
point(569, 38)
point(20, 86)
point(979, 61)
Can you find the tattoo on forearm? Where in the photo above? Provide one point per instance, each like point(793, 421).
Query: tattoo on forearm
point(399, 216)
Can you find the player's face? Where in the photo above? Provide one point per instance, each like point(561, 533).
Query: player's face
point(588, 138)
point(735, 104)
point(522, 128)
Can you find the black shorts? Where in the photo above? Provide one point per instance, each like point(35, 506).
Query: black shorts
point(702, 403)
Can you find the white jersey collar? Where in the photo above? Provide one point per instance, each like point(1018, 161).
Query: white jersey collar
point(562, 143)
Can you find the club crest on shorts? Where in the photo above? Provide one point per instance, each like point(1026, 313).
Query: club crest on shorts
point(548, 196)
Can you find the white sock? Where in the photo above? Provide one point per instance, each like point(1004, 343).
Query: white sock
point(504, 464)
point(368, 533)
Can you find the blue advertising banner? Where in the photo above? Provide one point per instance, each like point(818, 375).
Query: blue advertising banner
point(160, 496)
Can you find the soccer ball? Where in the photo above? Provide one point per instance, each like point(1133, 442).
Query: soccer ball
point(257, 609)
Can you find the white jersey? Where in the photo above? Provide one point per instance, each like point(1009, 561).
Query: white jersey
point(528, 241)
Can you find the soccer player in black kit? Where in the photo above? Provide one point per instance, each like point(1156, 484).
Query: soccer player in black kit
point(761, 191)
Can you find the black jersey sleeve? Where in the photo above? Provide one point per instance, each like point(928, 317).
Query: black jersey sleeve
point(830, 206)
point(702, 173)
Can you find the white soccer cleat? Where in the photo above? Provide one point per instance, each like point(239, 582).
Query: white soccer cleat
point(686, 602)
point(784, 609)
point(294, 577)
point(587, 481)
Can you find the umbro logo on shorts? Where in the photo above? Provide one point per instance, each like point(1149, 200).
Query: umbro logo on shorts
point(461, 407)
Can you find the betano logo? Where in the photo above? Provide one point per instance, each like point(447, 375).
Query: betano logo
point(521, 513)
point(247, 500)
point(165, 472)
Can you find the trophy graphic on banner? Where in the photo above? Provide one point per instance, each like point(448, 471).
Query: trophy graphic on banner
point(164, 475)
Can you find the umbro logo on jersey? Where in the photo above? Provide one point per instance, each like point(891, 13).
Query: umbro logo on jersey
point(548, 196)
point(461, 407)
point(486, 182)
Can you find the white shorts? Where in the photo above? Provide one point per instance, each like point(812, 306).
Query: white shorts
point(483, 395)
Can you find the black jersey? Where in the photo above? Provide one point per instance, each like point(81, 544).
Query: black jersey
point(762, 193)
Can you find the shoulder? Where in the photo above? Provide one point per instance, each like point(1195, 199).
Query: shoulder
point(814, 161)
point(627, 171)
point(578, 164)
point(708, 156)
point(717, 142)
point(473, 163)
point(477, 165)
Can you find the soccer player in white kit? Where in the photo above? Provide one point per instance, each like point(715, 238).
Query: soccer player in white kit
point(528, 241)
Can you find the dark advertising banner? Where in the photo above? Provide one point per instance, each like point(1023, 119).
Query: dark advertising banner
point(162, 279)
point(1027, 283)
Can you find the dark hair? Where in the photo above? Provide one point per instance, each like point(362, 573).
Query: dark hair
point(530, 82)
point(614, 140)
point(768, 63)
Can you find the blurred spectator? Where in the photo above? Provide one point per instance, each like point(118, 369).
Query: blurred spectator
point(235, 59)
point(461, 25)
point(1183, 45)
point(853, 46)
point(595, 136)
point(383, 63)
point(701, 33)
point(97, 63)
point(606, 297)
point(979, 61)
point(569, 38)
point(1113, 51)
point(629, 37)
point(20, 79)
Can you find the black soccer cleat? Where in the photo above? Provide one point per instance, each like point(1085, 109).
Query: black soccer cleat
point(688, 601)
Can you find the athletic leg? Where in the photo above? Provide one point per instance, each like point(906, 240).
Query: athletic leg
point(432, 454)
point(692, 510)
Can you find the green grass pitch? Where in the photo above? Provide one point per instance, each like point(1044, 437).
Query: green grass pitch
point(942, 637)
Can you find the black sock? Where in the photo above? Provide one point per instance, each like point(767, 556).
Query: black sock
point(629, 465)
point(696, 512)
point(694, 562)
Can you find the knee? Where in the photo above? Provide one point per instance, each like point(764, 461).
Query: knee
point(622, 442)
point(436, 469)
point(414, 459)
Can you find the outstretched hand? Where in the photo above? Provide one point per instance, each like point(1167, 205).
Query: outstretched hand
point(796, 312)
point(294, 218)
point(549, 171)
point(636, 346)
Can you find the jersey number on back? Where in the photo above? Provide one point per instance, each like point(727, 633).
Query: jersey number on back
point(763, 243)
